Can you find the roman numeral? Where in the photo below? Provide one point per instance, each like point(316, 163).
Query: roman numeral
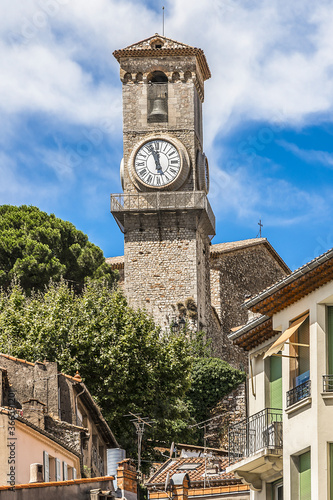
point(174, 162)
point(149, 179)
point(140, 164)
point(158, 181)
point(173, 170)
point(143, 172)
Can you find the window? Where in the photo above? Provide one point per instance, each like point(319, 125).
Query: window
point(305, 476)
point(299, 348)
point(301, 476)
point(330, 449)
point(277, 491)
point(328, 379)
point(275, 382)
point(52, 469)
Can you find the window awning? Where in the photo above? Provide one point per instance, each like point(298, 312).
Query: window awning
point(279, 343)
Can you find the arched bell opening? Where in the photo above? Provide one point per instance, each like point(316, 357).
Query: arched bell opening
point(157, 97)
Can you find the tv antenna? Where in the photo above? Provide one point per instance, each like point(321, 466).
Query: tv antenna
point(203, 425)
point(139, 423)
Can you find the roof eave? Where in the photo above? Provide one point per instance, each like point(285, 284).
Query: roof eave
point(257, 303)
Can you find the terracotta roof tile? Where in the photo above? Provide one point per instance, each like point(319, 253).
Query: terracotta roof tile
point(57, 483)
point(17, 359)
point(195, 467)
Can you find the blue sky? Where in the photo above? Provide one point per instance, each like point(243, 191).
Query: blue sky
point(267, 113)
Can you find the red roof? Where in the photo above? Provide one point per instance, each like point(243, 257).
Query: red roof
point(195, 467)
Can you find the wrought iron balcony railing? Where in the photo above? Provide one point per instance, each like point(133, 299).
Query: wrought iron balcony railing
point(327, 383)
point(299, 392)
point(260, 431)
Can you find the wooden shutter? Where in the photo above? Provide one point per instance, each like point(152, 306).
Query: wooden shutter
point(58, 469)
point(46, 463)
point(275, 382)
point(64, 471)
point(330, 340)
point(305, 476)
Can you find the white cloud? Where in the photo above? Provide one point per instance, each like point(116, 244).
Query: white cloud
point(270, 61)
point(312, 156)
point(249, 193)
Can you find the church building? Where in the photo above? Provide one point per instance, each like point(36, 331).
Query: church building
point(170, 266)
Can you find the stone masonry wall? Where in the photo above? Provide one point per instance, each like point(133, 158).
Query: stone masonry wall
point(68, 434)
point(229, 411)
point(184, 112)
point(33, 381)
point(165, 263)
point(242, 273)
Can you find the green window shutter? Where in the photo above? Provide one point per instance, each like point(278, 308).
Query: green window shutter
point(275, 382)
point(331, 471)
point(330, 340)
point(305, 476)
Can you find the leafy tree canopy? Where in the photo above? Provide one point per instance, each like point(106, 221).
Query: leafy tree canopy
point(125, 361)
point(211, 380)
point(36, 247)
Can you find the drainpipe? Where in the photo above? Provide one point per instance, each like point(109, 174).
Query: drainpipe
point(76, 398)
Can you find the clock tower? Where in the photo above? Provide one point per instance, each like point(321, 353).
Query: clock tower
point(163, 211)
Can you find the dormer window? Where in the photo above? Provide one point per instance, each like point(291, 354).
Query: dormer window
point(157, 97)
point(156, 44)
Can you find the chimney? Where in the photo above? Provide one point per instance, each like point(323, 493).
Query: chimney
point(180, 484)
point(36, 473)
point(33, 410)
point(127, 479)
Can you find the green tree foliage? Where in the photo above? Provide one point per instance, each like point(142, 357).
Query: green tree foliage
point(212, 379)
point(125, 361)
point(36, 247)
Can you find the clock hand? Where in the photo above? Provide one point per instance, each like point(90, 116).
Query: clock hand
point(156, 156)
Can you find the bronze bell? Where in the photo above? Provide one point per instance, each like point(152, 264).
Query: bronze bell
point(158, 110)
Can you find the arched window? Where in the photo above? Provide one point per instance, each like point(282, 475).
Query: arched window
point(157, 97)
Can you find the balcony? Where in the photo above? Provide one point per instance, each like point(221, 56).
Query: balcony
point(173, 201)
point(300, 392)
point(327, 383)
point(255, 448)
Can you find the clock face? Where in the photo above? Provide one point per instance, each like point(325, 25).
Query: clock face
point(157, 163)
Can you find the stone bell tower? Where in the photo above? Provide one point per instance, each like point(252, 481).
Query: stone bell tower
point(164, 212)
